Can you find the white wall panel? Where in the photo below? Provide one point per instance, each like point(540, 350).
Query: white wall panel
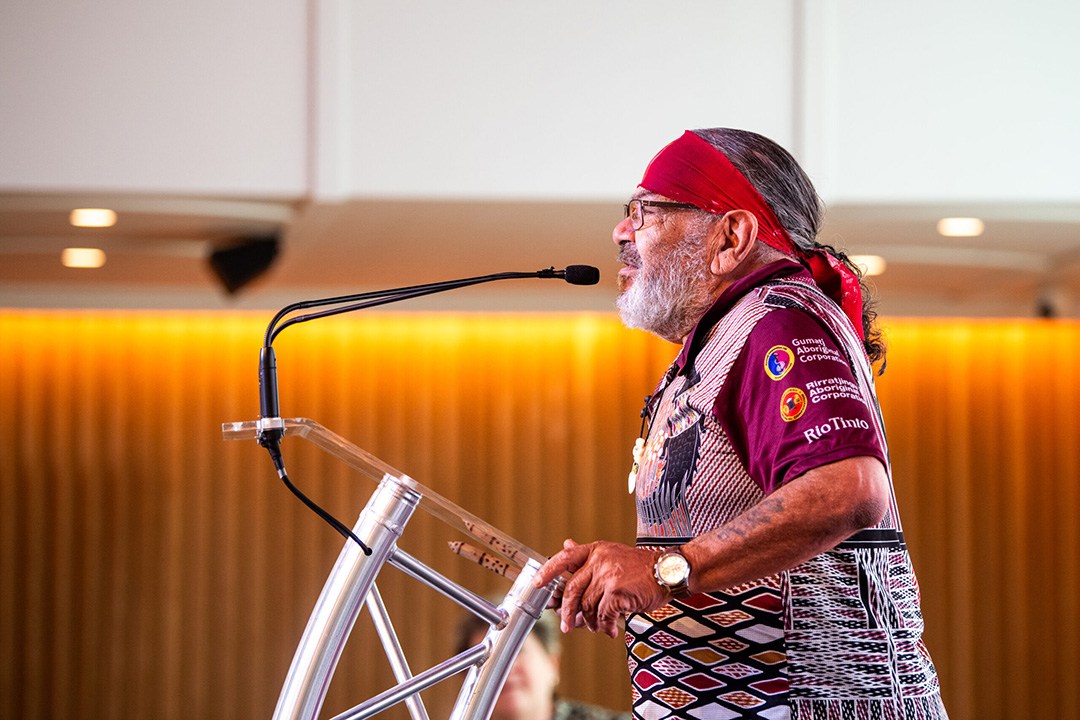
point(202, 96)
point(945, 101)
point(484, 98)
point(957, 100)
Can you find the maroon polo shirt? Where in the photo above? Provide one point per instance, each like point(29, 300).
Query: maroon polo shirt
point(790, 403)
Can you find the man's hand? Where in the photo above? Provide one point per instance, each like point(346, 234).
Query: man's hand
point(609, 580)
point(808, 516)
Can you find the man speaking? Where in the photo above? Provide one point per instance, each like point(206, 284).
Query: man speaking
point(770, 578)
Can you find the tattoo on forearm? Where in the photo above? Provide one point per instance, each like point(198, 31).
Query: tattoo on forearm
point(761, 514)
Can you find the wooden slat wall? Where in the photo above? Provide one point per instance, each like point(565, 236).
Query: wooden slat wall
point(985, 443)
point(149, 569)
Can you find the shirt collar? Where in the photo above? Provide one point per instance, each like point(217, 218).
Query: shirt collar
point(728, 298)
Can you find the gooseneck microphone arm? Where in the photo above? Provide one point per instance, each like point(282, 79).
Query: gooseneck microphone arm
point(573, 274)
point(271, 428)
point(384, 297)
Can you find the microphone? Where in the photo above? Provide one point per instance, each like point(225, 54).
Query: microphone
point(581, 274)
point(271, 428)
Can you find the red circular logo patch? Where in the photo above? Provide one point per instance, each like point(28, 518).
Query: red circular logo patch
point(792, 404)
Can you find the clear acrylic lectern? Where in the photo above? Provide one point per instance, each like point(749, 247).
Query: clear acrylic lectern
point(351, 585)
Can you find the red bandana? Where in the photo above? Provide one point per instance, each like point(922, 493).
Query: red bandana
point(691, 170)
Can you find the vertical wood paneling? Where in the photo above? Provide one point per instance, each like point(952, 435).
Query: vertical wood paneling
point(149, 569)
point(984, 445)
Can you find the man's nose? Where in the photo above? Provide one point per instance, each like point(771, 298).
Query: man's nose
point(623, 232)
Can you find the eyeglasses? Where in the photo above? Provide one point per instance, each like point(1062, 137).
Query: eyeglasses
point(633, 210)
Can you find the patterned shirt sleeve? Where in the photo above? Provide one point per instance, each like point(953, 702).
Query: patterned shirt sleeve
point(791, 404)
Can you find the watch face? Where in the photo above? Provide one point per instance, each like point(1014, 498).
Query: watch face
point(672, 569)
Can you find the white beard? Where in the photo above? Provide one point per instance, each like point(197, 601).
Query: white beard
point(670, 296)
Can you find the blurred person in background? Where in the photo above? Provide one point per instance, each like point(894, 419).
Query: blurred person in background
point(530, 689)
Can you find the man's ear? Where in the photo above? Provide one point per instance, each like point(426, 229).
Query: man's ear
point(733, 240)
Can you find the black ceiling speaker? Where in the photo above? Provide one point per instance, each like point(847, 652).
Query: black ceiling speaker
point(243, 260)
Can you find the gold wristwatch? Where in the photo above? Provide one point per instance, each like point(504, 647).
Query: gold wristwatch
point(672, 572)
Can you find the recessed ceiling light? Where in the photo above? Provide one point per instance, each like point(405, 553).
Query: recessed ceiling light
point(92, 217)
point(960, 227)
point(869, 264)
point(82, 257)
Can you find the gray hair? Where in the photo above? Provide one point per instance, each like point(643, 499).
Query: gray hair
point(787, 189)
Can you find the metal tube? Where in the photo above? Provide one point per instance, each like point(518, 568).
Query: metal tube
point(422, 681)
point(379, 526)
point(467, 599)
point(524, 605)
point(394, 653)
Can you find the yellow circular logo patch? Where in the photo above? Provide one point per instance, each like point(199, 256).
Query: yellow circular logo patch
point(779, 361)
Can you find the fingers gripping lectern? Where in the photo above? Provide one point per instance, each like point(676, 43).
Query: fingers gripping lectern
point(351, 585)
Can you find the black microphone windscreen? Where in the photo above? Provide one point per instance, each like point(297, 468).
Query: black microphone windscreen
point(582, 275)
